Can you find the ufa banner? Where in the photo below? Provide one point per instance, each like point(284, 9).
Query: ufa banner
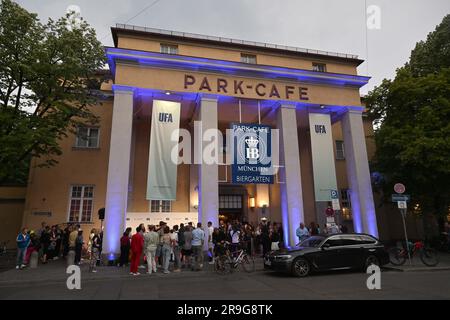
point(162, 171)
point(252, 154)
point(322, 156)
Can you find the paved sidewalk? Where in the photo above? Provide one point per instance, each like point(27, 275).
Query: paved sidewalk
point(417, 265)
point(48, 282)
point(55, 271)
point(257, 286)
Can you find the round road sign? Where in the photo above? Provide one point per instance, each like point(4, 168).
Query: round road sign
point(399, 188)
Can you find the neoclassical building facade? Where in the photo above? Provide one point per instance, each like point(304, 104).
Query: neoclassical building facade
point(192, 83)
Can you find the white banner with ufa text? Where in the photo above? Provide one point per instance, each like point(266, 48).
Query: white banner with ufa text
point(322, 156)
point(162, 171)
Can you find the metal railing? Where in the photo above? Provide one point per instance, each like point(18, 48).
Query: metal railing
point(188, 35)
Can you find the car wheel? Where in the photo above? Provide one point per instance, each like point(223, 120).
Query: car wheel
point(301, 267)
point(371, 260)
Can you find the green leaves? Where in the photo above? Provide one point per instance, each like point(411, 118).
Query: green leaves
point(413, 116)
point(48, 77)
point(434, 54)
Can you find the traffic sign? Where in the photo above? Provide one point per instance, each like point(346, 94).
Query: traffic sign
point(401, 204)
point(334, 194)
point(400, 197)
point(399, 188)
point(335, 203)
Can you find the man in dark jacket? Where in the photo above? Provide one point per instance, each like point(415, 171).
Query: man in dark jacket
point(265, 238)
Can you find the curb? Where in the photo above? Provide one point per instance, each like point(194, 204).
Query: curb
point(100, 277)
point(417, 269)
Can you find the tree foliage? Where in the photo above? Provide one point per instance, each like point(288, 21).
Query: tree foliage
point(412, 116)
point(47, 79)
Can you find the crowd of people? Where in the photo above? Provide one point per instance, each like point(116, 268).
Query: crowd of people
point(159, 245)
point(184, 244)
point(304, 232)
point(54, 242)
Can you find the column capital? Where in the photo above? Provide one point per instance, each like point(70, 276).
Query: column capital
point(355, 109)
point(123, 89)
point(286, 105)
point(207, 97)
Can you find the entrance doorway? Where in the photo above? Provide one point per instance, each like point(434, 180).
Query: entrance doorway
point(230, 207)
point(233, 202)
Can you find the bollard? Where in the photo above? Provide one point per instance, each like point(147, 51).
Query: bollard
point(34, 257)
point(71, 258)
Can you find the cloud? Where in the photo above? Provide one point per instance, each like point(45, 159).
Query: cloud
point(338, 26)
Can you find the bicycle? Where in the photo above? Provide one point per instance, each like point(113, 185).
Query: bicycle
point(428, 256)
point(4, 248)
point(230, 261)
point(443, 243)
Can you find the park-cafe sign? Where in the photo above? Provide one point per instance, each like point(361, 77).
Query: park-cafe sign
point(241, 87)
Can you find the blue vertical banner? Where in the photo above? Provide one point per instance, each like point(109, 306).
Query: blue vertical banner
point(252, 154)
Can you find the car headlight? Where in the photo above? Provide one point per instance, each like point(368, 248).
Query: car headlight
point(283, 257)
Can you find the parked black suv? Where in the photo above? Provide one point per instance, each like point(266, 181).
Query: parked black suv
point(329, 252)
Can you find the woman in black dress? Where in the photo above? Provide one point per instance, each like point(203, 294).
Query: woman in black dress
point(45, 243)
point(79, 247)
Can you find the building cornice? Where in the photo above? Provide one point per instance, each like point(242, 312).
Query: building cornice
point(188, 63)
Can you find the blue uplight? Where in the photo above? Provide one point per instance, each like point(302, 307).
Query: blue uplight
point(161, 94)
point(230, 67)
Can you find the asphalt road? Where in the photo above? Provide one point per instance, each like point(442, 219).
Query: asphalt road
point(258, 285)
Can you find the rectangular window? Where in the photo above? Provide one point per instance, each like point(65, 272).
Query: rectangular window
point(319, 67)
point(87, 137)
point(169, 49)
point(81, 203)
point(345, 197)
point(230, 202)
point(248, 58)
point(161, 206)
point(346, 204)
point(340, 154)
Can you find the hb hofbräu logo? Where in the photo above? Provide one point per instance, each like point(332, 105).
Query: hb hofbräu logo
point(252, 151)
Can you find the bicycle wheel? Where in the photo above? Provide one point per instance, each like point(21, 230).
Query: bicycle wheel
point(397, 256)
point(222, 265)
point(429, 257)
point(248, 263)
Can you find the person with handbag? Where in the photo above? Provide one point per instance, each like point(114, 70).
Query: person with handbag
point(51, 251)
point(96, 244)
point(275, 237)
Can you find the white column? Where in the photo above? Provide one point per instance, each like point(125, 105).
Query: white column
point(193, 188)
point(193, 171)
point(291, 190)
point(363, 210)
point(118, 172)
point(208, 193)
